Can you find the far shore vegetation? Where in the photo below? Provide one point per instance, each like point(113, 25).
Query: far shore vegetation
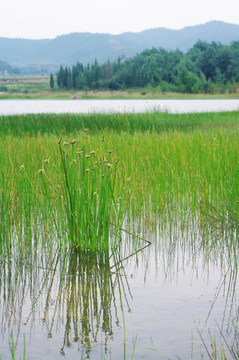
point(205, 68)
point(205, 71)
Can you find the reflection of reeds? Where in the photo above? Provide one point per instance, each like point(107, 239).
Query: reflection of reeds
point(77, 297)
point(76, 291)
point(223, 224)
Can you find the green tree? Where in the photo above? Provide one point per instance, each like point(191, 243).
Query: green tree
point(60, 78)
point(204, 68)
point(52, 81)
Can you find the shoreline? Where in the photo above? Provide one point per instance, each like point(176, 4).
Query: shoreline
point(114, 95)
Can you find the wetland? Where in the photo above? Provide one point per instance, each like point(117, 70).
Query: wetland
point(119, 235)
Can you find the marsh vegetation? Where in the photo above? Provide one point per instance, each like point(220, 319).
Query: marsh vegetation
point(98, 212)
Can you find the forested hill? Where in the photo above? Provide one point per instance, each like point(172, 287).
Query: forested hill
point(86, 47)
point(204, 68)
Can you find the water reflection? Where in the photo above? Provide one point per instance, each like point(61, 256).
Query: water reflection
point(71, 304)
point(75, 291)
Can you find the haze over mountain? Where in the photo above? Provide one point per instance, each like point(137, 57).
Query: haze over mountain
point(86, 47)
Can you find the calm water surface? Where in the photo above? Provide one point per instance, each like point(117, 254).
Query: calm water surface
point(8, 107)
point(73, 307)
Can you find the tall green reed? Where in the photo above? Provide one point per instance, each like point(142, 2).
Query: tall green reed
point(154, 122)
point(81, 196)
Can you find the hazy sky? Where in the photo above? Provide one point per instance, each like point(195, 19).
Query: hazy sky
point(48, 18)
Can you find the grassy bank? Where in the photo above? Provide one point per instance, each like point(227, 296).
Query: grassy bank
point(109, 95)
point(38, 87)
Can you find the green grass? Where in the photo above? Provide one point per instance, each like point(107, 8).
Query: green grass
point(156, 122)
point(145, 166)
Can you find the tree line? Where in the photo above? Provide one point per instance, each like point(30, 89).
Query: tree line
point(204, 68)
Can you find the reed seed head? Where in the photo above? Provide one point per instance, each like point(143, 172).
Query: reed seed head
point(80, 151)
point(87, 156)
point(65, 143)
point(46, 161)
point(73, 142)
point(22, 166)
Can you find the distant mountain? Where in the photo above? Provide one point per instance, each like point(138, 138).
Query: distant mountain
point(5, 68)
point(86, 47)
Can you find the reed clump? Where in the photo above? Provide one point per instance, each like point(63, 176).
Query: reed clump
point(80, 194)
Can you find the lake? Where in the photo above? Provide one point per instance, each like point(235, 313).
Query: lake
point(8, 107)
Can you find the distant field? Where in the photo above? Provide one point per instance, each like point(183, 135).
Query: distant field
point(13, 86)
point(38, 87)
